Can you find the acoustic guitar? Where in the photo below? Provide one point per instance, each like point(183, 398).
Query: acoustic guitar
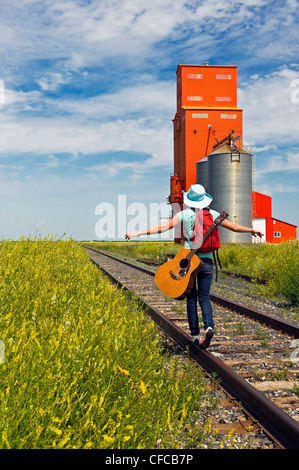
point(175, 278)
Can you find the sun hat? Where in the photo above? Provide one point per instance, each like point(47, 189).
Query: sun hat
point(197, 197)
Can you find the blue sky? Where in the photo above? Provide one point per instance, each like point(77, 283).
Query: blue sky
point(89, 93)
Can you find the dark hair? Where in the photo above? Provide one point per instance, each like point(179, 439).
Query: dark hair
point(194, 209)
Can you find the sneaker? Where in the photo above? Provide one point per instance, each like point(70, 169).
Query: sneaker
point(207, 336)
point(195, 340)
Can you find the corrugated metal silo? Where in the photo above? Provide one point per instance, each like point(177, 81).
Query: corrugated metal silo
point(230, 184)
point(202, 173)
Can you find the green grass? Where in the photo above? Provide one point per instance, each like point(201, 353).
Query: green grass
point(84, 367)
point(156, 251)
point(277, 264)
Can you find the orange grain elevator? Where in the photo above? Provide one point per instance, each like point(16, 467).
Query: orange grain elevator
point(206, 114)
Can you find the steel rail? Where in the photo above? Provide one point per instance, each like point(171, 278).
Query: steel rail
point(269, 320)
point(283, 429)
point(245, 277)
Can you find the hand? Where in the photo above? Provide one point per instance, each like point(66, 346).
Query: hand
point(131, 234)
point(256, 232)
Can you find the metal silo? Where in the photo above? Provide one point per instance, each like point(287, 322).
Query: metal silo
point(202, 173)
point(230, 184)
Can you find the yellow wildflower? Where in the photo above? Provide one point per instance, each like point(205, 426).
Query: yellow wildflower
point(108, 440)
point(124, 371)
point(142, 387)
point(56, 430)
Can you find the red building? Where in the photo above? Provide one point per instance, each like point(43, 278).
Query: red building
point(207, 116)
point(274, 230)
point(206, 113)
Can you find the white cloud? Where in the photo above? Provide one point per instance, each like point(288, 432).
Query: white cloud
point(265, 148)
point(53, 162)
point(79, 34)
point(272, 189)
point(150, 98)
point(281, 163)
point(52, 82)
point(17, 101)
point(72, 136)
point(269, 116)
point(135, 119)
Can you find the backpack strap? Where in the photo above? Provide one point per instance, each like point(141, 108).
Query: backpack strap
point(216, 260)
point(217, 254)
point(216, 267)
point(195, 210)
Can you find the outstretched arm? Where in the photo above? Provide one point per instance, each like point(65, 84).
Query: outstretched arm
point(240, 228)
point(157, 229)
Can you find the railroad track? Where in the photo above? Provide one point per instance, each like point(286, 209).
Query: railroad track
point(252, 354)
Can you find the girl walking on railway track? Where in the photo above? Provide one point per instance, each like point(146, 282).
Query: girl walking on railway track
point(197, 198)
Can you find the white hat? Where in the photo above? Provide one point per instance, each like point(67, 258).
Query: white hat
point(197, 197)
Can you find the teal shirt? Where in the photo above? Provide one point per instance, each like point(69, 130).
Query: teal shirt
point(187, 217)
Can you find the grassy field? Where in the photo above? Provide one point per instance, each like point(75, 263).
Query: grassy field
point(84, 367)
point(278, 264)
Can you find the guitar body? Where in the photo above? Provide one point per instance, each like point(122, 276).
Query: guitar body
point(176, 277)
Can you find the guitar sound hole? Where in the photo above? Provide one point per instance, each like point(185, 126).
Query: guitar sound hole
point(184, 263)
